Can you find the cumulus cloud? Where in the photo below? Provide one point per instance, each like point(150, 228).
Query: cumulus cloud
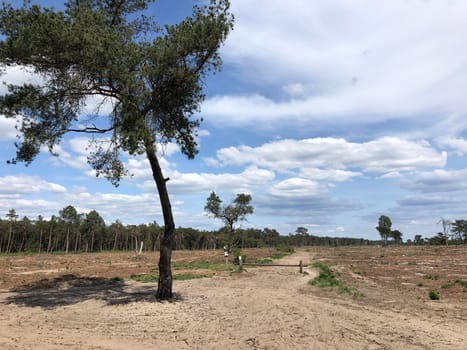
point(383, 155)
point(201, 183)
point(23, 184)
point(296, 188)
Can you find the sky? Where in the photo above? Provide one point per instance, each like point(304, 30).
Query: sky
point(329, 113)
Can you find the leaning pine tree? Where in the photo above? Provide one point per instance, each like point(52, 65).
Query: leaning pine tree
point(152, 76)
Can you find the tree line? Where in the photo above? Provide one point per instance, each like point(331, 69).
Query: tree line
point(73, 232)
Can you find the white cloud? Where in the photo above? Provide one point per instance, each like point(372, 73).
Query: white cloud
point(332, 175)
point(296, 188)
point(201, 183)
point(383, 155)
point(23, 184)
point(7, 126)
point(439, 180)
point(372, 60)
point(459, 145)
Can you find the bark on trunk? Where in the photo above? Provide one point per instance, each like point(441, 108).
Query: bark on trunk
point(164, 287)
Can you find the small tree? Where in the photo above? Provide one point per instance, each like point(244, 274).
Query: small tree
point(231, 213)
point(12, 216)
point(459, 229)
point(418, 239)
point(69, 215)
point(384, 228)
point(446, 228)
point(396, 236)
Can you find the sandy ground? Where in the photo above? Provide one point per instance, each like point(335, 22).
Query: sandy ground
point(263, 308)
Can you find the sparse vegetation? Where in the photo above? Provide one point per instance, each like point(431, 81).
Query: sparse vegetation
point(433, 294)
point(431, 277)
point(454, 283)
point(327, 279)
point(153, 277)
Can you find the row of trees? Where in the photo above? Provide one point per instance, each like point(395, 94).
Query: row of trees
point(453, 231)
point(70, 231)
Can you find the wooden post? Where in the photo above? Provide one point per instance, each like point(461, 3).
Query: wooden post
point(301, 266)
point(240, 262)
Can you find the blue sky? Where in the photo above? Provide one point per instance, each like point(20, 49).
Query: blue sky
point(329, 113)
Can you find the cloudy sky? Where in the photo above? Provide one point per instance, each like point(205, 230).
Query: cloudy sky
point(329, 113)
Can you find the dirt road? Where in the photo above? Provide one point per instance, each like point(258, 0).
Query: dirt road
point(263, 308)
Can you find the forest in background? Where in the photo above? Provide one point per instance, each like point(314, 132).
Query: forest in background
point(70, 231)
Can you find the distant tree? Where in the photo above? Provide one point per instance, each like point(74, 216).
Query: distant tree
point(384, 228)
point(11, 216)
point(152, 76)
point(231, 213)
point(418, 239)
point(446, 228)
point(93, 224)
point(70, 216)
point(396, 236)
point(459, 228)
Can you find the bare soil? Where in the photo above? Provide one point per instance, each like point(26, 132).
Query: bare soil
point(76, 302)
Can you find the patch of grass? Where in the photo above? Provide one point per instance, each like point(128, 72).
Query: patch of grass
point(187, 276)
point(433, 294)
point(456, 282)
point(154, 277)
point(431, 277)
point(285, 249)
point(145, 277)
point(327, 279)
point(264, 261)
point(199, 265)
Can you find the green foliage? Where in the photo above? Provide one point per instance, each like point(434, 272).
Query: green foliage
point(107, 48)
point(232, 212)
point(384, 227)
point(327, 279)
point(236, 252)
point(433, 294)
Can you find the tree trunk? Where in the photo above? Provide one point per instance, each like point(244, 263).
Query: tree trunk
point(92, 241)
point(40, 242)
point(164, 286)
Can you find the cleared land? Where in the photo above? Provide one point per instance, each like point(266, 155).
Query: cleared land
point(381, 301)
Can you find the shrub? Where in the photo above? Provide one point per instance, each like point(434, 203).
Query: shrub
point(433, 294)
point(236, 253)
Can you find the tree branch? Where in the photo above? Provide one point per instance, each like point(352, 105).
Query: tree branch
point(92, 130)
